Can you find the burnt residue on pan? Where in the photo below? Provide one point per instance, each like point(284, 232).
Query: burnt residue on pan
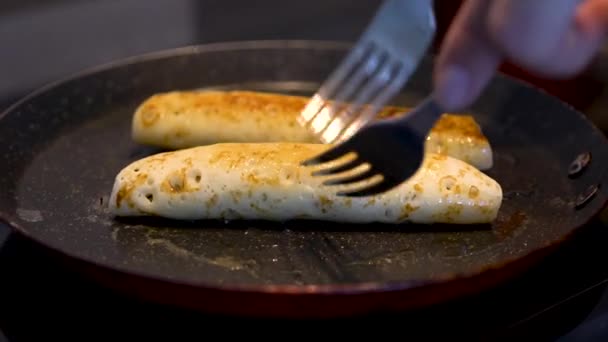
point(63, 147)
point(507, 225)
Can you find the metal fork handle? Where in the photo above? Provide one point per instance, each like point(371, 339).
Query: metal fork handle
point(408, 21)
point(374, 70)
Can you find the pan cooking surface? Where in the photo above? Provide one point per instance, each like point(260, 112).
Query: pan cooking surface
point(65, 146)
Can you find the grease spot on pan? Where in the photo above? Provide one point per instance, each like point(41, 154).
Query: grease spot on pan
point(29, 215)
point(226, 262)
point(385, 258)
point(507, 226)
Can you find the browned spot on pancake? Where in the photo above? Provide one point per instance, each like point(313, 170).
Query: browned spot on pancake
point(235, 163)
point(217, 157)
point(125, 192)
point(457, 189)
point(447, 183)
point(236, 195)
point(452, 212)
point(121, 195)
point(454, 209)
point(181, 132)
point(256, 179)
point(175, 182)
point(157, 158)
point(473, 192)
point(258, 209)
point(325, 202)
point(251, 178)
point(433, 166)
point(462, 125)
point(371, 201)
point(418, 188)
point(290, 173)
point(234, 105)
point(212, 201)
point(149, 116)
point(406, 211)
point(439, 157)
point(273, 156)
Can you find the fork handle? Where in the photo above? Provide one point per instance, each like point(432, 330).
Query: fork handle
point(422, 119)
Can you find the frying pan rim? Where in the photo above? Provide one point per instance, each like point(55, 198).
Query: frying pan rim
point(173, 52)
point(282, 289)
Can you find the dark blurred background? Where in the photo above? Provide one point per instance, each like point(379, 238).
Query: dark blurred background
point(43, 40)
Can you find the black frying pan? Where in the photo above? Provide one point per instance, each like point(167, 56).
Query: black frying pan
point(62, 146)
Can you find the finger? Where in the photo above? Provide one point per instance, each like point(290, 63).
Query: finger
point(592, 17)
point(467, 59)
point(542, 36)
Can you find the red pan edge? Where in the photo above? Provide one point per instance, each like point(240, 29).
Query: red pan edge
point(310, 302)
point(302, 302)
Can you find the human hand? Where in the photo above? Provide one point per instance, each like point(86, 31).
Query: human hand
point(550, 38)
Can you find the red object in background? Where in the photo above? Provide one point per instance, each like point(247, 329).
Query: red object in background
point(579, 91)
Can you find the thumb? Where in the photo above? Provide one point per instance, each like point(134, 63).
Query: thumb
point(467, 59)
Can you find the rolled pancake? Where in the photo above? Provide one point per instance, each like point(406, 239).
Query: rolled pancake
point(183, 119)
point(265, 181)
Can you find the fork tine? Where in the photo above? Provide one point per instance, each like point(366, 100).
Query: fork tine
point(370, 172)
point(375, 189)
point(332, 153)
point(329, 112)
point(339, 168)
point(311, 110)
point(367, 93)
point(384, 96)
point(332, 84)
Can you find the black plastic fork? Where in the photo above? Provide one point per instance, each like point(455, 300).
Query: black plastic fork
point(392, 148)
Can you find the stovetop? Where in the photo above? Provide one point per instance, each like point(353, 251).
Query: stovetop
point(565, 298)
